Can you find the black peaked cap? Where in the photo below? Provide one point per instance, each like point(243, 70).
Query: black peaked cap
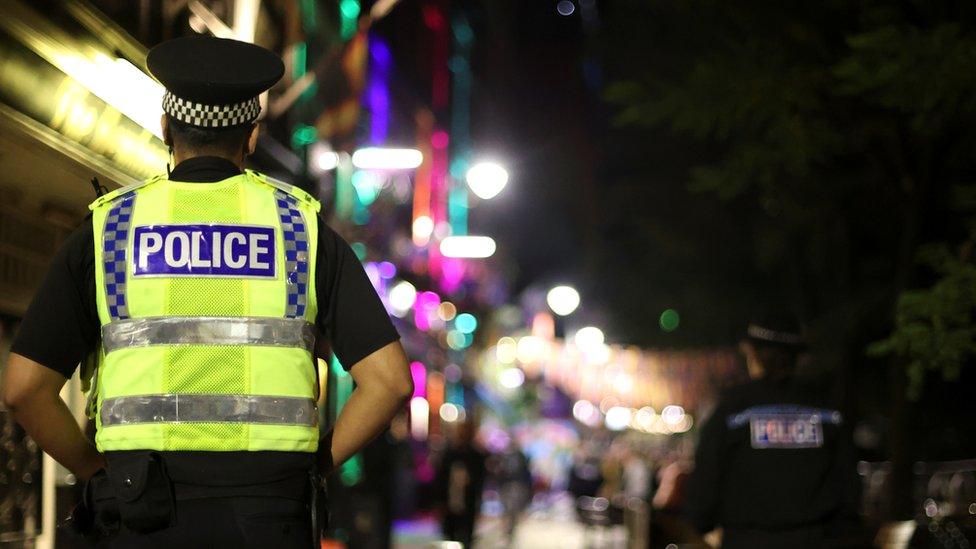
point(214, 71)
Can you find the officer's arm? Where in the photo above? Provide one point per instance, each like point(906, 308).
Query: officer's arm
point(383, 386)
point(31, 393)
point(705, 484)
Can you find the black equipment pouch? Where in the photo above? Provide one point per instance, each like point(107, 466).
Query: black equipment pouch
point(319, 507)
point(144, 491)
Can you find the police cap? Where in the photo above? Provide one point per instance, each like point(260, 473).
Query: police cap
point(776, 328)
point(213, 82)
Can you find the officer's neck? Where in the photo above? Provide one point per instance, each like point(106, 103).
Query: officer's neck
point(179, 156)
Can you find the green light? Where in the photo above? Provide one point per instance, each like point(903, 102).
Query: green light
point(456, 340)
point(466, 323)
point(303, 135)
point(360, 250)
point(669, 320)
point(349, 14)
point(309, 21)
point(349, 8)
point(366, 187)
point(462, 31)
point(351, 471)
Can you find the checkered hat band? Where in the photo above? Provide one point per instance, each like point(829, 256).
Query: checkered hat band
point(211, 116)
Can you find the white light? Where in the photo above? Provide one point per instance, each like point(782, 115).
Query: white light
point(419, 420)
point(472, 247)
point(120, 84)
point(530, 348)
point(565, 8)
point(618, 418)
point(607, 403)
point(402, 296)
point(598, 354)
point(487, 179)
point(563, 300)
point(672, 415)
point(321, 157)
point(246, 19)
point(511, 378)
point(590, 337)
point(622, 383)
point(682, 426)
point(449, 412)
point(586, 413)
point(643, 419)
point(375, 158)
point(423, 226)
point(506, 351)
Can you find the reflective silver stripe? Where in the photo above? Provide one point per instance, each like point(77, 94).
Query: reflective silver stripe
point(208, 330)
point(196, 408)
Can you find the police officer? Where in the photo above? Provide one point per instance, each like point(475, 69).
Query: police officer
point(774, 466)
point(200, 293)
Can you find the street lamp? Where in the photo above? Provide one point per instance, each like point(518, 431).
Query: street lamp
point(563, 300)
point(487, 179)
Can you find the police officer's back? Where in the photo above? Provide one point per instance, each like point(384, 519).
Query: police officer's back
point(200, 294)
point(774, 466)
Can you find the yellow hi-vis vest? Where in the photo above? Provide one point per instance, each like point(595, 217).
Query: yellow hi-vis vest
point(206, 298)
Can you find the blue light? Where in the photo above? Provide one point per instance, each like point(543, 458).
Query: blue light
point(466, 323)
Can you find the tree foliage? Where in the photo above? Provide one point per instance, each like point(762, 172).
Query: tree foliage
point(847, 125)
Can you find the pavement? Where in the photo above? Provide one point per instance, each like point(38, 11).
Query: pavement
point(545, 525)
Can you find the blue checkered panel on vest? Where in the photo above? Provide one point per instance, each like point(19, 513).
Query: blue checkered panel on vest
point(295, 235)
point(114, 244)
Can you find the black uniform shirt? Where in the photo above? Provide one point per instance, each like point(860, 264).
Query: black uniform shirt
point(61, 327)
point(772, 457)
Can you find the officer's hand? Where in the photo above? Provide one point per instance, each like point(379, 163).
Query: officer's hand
point(81, 521)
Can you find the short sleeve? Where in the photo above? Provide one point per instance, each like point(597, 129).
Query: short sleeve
point(350, 313)
point(61, 325)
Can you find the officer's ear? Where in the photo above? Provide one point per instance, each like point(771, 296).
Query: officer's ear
point(167, 136)
point(252, 140)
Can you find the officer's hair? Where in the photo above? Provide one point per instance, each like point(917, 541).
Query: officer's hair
point(778, 361)
point(223, 140)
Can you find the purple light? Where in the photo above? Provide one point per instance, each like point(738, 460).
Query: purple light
point(373, 272)
point(380, 53)
point(377, 91)
point(378, 99)
point(387, 269)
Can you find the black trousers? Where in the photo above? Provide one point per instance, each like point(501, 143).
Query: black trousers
point(809, 537)
point(227, 522)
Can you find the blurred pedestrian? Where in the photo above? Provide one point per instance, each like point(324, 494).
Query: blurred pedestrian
point(774, 466)
point(460, 480)
point(514, 480)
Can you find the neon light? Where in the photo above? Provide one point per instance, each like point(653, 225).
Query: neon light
point(377, 92)
point(348, 18)
point(419, 374)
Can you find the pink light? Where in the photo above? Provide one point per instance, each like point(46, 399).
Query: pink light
point(440, 139)
point(424, 309)
point(419, 374)
point(452, 271)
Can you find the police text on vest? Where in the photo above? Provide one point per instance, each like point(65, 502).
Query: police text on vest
point(204, 250)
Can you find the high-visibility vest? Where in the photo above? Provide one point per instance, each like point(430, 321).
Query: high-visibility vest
point(206, 298)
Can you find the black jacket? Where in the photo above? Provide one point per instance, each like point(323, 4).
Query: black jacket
point(772, 457)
